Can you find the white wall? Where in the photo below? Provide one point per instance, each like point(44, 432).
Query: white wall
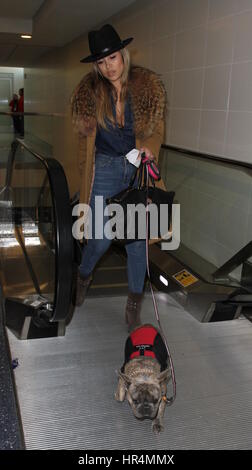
point(11, 80)
point(202, 48)
point(18, 77)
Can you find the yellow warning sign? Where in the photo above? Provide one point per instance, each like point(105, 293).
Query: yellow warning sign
point(184, 278)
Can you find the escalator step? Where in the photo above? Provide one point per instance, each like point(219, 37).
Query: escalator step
point(110, 276)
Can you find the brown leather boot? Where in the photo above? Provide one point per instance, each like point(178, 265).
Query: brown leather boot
point(81, 290)
point(133, 308)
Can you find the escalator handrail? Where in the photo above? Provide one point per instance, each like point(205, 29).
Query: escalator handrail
point(240, 257)
point(30, 113)
point(63, 233)
point(205, 156)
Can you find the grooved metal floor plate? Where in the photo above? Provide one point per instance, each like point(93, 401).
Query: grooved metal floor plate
point(66, 385)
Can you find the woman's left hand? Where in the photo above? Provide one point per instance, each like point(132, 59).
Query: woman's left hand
point(148, 153)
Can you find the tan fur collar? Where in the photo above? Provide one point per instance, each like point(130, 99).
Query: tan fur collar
point(148, 101)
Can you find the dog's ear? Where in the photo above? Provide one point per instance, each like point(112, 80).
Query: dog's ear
point(164, 376)
point(125, 378)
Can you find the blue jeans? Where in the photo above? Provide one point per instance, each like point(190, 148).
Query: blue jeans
point(112, 175)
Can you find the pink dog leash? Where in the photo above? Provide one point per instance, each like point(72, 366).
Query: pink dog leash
point(169, 400)
point(153, 170)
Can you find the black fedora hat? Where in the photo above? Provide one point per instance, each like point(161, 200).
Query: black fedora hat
point(104, 42)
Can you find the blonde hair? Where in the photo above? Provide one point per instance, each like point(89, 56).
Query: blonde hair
point(103, 89)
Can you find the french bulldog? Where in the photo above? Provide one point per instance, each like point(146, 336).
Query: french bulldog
point(144, 376)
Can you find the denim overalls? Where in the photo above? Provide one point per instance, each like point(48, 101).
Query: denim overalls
point(112, 175)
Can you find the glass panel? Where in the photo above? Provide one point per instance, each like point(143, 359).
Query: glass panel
point(27, 239)
point(39, 136)
point(10, 124)
point(216, 211)
point(6, 124)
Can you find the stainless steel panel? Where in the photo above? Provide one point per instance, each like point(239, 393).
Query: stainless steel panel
point(66, 385)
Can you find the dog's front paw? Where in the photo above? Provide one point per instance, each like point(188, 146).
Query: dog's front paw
point(118, 397)
point(120, 391)
point(157, 427)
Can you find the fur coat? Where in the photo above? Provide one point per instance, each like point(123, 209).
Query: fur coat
point(148, 101)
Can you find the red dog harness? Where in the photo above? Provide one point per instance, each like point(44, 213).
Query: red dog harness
point(146, 341)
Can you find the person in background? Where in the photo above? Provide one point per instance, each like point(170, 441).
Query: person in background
point(21, 110)
point(116, 108)
point(13, 104)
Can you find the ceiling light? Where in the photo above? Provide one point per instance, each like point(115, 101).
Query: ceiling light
point(26, 36)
